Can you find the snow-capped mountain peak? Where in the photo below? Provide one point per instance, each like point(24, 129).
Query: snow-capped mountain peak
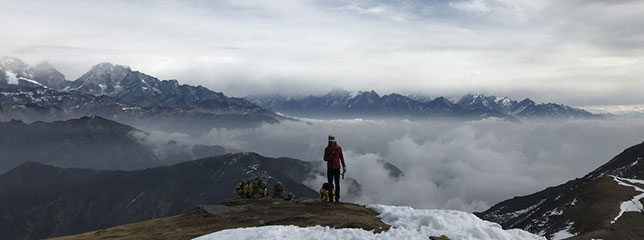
point(105, 73)
point(48, 75)
point(527, 101)
point(130, 89)
point(107, 67)
point(14, 68)
point(11, 61)
point(114, 80)
point(16, 72)
point(505, 101)
point(369, 103)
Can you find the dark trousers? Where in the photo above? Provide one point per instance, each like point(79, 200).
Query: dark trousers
point(331, 174)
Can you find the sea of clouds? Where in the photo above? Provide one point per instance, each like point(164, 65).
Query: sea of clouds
point(465, 166)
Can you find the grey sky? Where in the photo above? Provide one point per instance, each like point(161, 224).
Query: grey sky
point(574, 52)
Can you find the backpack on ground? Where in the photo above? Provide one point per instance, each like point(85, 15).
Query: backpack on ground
point(324, 192)
point(255, 188)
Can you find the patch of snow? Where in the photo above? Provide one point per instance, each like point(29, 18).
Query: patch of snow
point(32, 81)
point(406, 222)
point(556, 212)
point(633, 205)
point(12, 77)
point(520, 212)
point(636, 161)
point(81, 86)
point(284, 115)
point(136, 198)
point(117, 89)
point(252, 168)
point(574, 202)
point(638, 181)
point(506, 102)
point(130, 108)
point(563, 234)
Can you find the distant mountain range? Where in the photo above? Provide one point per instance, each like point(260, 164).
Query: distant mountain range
point(604, 204)
point(40, 201)
point(371, 104)
point(90, 142)
point(119, 93)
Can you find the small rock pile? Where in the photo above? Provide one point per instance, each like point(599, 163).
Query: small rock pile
point(279, 191)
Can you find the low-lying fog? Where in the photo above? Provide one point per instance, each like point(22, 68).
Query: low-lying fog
point(450, 165)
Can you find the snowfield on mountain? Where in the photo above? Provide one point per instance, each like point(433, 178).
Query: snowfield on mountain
point(407, 223)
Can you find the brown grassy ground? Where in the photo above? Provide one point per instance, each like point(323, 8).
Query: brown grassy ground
point(244, 213)
point(606, 196)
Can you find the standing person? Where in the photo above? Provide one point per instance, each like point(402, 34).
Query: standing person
point(333, 157)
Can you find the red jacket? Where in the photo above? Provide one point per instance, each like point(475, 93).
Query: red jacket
point(332, 156)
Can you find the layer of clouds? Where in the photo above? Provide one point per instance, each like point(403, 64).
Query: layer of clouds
point(467, 166)
point(574, 52)
point(635, 110)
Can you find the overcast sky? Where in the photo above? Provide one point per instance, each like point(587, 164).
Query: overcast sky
point(577, 52)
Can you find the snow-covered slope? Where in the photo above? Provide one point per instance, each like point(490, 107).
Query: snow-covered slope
point(407, 223)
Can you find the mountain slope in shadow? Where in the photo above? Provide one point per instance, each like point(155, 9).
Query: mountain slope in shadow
point(38, 201)
point(595, 206)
